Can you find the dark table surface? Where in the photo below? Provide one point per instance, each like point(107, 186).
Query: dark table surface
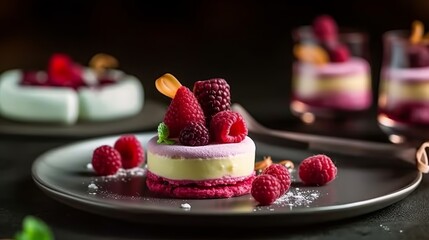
point(19, 197)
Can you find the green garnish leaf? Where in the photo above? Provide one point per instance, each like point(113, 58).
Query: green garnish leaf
point(34, 229)
point(163, 134)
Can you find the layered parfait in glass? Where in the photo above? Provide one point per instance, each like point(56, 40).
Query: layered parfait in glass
point(331, 76)
point(403, 102)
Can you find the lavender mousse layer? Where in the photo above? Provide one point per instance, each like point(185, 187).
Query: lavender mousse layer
point(197, 163)
point(345, 85)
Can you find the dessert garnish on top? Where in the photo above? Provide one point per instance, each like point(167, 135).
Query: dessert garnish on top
point(418, 52)
point(201, 116)
point(327, 46)
point(62, 71)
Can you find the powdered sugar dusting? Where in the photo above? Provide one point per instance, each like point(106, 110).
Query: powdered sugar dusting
point(122, 173)
point(185, 206)
point(296, 198)
point(89, 166)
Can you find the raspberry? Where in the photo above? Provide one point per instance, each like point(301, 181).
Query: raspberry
point(194, 134)
point(265, 189)
point(339, 53)
point(325, 28)
point(418, 56)
point(34, 78)
point(131, 150)
point(317, 170)
point(106, 160)
point(282, 174)
point(213, 95)
point(183, 109)
point(63, 72)
point(228, 127)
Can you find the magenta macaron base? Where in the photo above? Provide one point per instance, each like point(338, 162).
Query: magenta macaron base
point(216, 188)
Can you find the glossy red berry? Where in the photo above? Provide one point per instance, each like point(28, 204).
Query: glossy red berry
point(317, 170)
point(265, 189)
point(183, 109)
point(131, 150)
point(340, 53)
point(228, 127)
point(325, 28)
point(106, 160)
point(282, 174)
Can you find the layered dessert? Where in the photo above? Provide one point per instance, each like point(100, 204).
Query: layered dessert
point(202, 149)
point(404, 86)
point(326, 75)
point(67, 92)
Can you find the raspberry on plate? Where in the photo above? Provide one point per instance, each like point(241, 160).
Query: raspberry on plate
point(281, 173)
point(265, 189)
point(228, 127)
point(213, 95)
point(317, 170)
point(183, 109)
point(106, 160)
point(194, 134)
point(131, 150)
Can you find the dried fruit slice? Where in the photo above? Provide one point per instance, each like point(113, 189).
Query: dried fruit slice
point(311, 53)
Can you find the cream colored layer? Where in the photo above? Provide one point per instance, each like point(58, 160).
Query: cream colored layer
point(309, 85)
point(416, 91)
point(201, 169)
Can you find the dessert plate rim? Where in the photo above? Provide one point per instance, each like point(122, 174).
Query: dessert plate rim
point(175, 215)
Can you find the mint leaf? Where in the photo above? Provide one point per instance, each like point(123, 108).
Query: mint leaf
point(34, 229)
point(163, 134)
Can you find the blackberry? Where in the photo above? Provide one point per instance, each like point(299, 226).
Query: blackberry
point(194, 134)
point(213, 95)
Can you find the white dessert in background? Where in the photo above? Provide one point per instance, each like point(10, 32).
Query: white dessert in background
point(122, 99)
point(339, 85)
point(36, 104)
point(65, 105)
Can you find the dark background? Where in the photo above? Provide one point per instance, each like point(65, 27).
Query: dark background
point(246, 42)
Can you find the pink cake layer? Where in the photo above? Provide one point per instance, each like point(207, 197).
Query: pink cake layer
point(406, 74)
point(215, 188)
point(351, 67)
point(202, 183)
point(340, 100)
point(206, 151)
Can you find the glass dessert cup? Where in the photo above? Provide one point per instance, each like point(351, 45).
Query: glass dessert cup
point(336, 88)
point(403, 104)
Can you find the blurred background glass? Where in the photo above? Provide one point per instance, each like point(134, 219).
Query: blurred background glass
point(404, 87)
point(337, 88)
point(247, 42)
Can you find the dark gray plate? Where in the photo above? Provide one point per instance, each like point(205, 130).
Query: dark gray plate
point(148, 119)
point(363, 185)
